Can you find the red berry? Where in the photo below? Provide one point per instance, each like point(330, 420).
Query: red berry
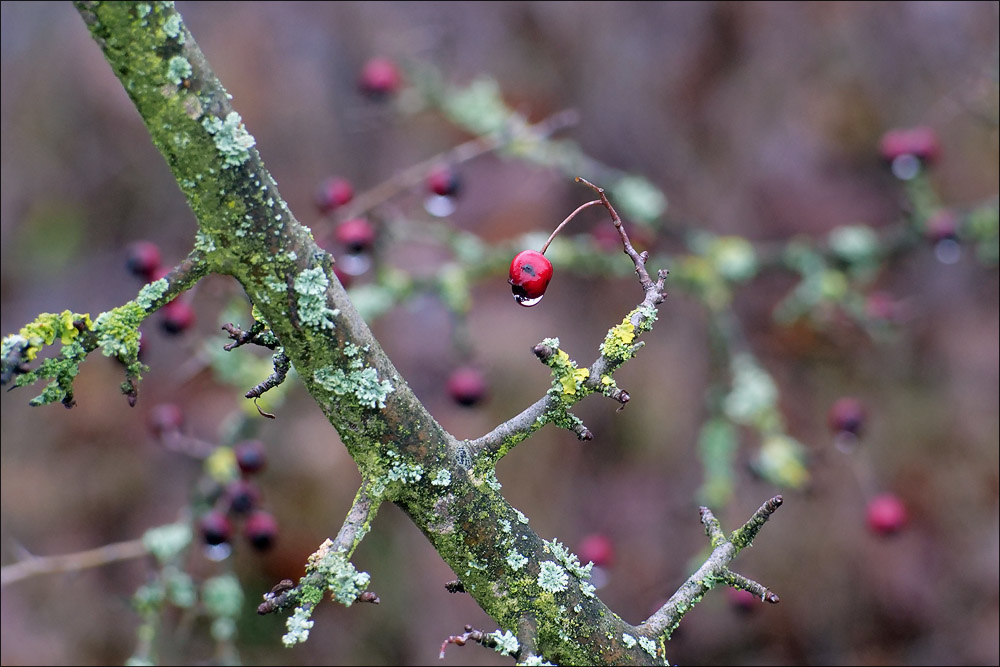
point(380, 78)
point(886, 514)
point(251, 456)
point(467, 386)
point(598, 549)
point(165, 419)
point(178, 317)
point(242, 496)
point(443, 180)
point(143, 259)
point(881, 306)
point(215, 528)
point(920, 142)
point(847, 415)
point(356, 234)
point(942, 225)
point(333, 193)
point(261, 529)
point(530, 273)
point(742, 600)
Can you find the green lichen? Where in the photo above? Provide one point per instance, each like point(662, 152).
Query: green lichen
point(173, 28)
point(648, 645)
point(222, 596)
point(298, 626)
point(516, 560)
point(363, 384)
point(118, 331)
point(341, 578)
point(311, 285)
point(506, 642)
point(151, 293)
point(552, 577)
point(178, 69)
point(628, 640)
point(167, 542)
point(44, 330)
point(442, 478)
point(231, 138)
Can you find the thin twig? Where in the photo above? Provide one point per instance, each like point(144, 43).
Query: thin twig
point(37, 565)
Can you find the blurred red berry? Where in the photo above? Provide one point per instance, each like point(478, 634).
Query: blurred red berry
point(177, 317)
point(881, 306)
point(886, 514)
point(261, 529)
point(530, 273)
point(941, 225)
point(356, 234)
point(215, 528)
point(467, 386)
point(847, 415)
point(242, 496)
point(443, 180)
point(165, 419)
point(143, 259)
point(333, 193)
point(742, 600)
point(251, 456)
point(920, 142)
point(597, 548)
point(380, 78)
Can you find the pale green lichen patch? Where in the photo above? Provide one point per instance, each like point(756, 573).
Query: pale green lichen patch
point(628, 640)
point(552, 577)
point(178, 69)
point(536, 661)
point(403, 471)
point(339, 575)
point(231, 138)
point(173, 28)
point(118, 331)
point(506, 642)
point(363, 384)
point(311, 286)
point(167, 542)
point(298, 626)
point(516, 560)
point(648, 645)
point(151, 293)
point(442, 478)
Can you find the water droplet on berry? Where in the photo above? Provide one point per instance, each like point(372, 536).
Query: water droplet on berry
point(525, 301)
point(440, 206)
point(905, 167)
point(355, 263)
point(947, 251)
point(218, 552)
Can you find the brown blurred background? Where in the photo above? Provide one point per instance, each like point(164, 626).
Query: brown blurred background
point(756, 119)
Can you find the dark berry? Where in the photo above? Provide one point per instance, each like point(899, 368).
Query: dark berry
point(251, 456)
point(143, 259)
point(847, 415)
point(920, 142)
point(380, 78)
point(215, 528)
point(356, 234)
point(467, 386)
point(165, 419)
point(333, 193)
point(242, 496)
point(598, 549)
point(177, 317)
point(886, 514)
point(443, 180)
point(261, 529)
point(530, 273)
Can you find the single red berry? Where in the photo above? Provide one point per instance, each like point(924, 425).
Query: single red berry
point(887, 514)
point(881, 306)
point(333, 193)
point(261, 529)
point(741, 600)
point(251, 456)
point(242, 496)
point(942, 225)
point(356, 234)
point(597, 548)
point(467, 386)
point(847, 415)
point(215, 528)
point(165, 419)
point(178, 317)
point(143, 259)
point(380, 78)
point(443, 180)
point(920, 142)
point(530, 273)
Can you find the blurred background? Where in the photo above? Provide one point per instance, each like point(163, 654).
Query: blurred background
point(757, 119)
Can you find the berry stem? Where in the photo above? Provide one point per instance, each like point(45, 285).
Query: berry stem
point(570, 217)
